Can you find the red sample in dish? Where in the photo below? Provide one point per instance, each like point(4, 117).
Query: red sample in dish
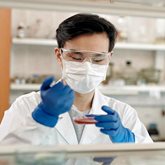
point(84, 120)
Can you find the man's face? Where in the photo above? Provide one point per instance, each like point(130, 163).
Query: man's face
point(98, 42)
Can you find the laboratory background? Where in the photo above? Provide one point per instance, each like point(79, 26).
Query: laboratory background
point(136, 73)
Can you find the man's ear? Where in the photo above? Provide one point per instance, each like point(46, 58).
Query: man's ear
point(58, 55)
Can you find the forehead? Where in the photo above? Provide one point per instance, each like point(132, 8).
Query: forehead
point(98, 42)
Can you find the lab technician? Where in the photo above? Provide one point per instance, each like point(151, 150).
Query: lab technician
point(85, 44)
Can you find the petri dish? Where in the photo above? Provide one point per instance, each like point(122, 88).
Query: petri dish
point(84, 120)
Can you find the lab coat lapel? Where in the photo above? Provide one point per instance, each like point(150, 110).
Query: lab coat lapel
point(91, 132)
point(66, 129)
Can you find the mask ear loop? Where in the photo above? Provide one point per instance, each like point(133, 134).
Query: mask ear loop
point(109, 56)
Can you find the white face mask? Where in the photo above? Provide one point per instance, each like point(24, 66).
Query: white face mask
point(83, 77)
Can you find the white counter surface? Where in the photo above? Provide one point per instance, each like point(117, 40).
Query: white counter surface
point(123, 154)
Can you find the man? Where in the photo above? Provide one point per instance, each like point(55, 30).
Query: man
point(85, 44)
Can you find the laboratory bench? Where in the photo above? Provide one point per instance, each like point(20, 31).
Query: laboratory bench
point(112, 154)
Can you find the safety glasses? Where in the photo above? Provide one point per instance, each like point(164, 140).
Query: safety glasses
point(99, 58)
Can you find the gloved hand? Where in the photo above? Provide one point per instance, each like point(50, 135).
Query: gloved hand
point(111, 125)
point(56, 100)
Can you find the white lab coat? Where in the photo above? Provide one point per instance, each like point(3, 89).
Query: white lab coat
point(18, 126)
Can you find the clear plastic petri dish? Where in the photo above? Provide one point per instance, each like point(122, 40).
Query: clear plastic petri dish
point(84, 120)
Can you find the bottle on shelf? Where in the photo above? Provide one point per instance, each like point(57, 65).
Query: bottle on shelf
point(150, 75)
point(35, 30)
point(153, 131)
point(21, 31)
point(129, 74)
point(122, 29)
point(160, 31)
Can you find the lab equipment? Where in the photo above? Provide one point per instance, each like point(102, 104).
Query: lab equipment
point(21, 30)
point(84, 120)
point(153, 131)
point(122, 29)
point(150, 75)
point(56, 99)
point(129, 73)
point(111, 125)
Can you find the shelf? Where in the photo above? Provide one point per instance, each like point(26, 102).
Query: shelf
point(141, 46)
point(132, 90)
point(122, 90)
point(119, 45)
point(25, 87)
point(32, 41)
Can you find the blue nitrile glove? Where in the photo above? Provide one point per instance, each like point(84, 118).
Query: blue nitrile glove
point(111, 125)
point(56, 100)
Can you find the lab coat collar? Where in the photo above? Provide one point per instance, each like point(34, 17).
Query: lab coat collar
point(66, 129)
point(91, 132)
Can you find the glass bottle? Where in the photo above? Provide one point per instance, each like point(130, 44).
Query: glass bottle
point(153, 131)
point(21, 30)
point(129, 74)
point(122, 29)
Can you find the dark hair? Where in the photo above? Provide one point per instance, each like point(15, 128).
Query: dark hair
point(80, 24)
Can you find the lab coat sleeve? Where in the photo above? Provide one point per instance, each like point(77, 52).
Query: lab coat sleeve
point(132, 121)
point(18, 127)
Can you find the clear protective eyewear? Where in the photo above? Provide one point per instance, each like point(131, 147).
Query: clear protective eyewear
point(99, 58)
